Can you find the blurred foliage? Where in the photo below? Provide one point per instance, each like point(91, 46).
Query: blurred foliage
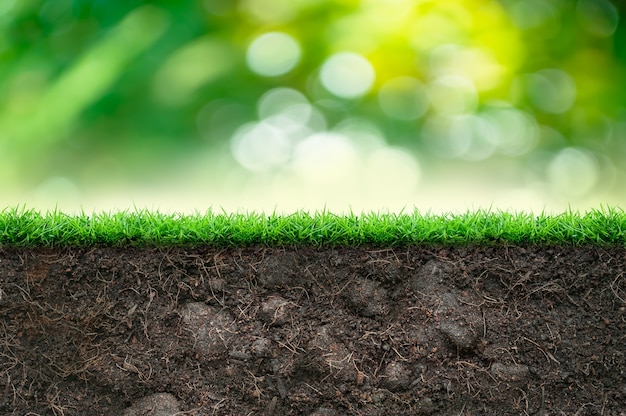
point(99, 90)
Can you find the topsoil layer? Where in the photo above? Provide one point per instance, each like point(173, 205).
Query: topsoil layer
point(348, 331)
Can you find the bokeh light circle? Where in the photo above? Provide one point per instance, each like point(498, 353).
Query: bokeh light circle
point(273, 54)
point(276, 100)
point(347, 75)
point(453, 95)
point(516, 132)
point(326, 158)
point(439, 139)
point(260, 147)
point(403, 98)
point(365, 135)
point(267, 11)
point(530, 14)
point(552, 90)
point(477, 134)
point(598, 17)
point(289, 110)
point(573, 172)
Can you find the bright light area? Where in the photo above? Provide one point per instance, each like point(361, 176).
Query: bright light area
point(326, 159)
point(260, 146)
point(387, 166)
point(514, 131)
point(453, 95)
point(286, 105)
point(573, 170)
point(289, 110)
point(347, 75)
point(273, 54)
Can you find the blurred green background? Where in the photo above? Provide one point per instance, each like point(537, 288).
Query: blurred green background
point(286, 104)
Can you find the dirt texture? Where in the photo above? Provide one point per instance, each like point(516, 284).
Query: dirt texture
point(303, 331)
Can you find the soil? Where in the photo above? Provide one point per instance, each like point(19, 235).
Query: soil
point(313, 331)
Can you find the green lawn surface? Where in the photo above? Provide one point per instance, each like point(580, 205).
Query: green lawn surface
point(21, 227)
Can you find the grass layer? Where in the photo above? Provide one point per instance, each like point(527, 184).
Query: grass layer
point(21, 227)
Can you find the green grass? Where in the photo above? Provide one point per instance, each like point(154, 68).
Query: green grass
point(21, 227)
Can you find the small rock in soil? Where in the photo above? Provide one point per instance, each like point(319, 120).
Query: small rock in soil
point(275, 311)
point(430, 275)
point(277, 271)
point(459, 323)
point(324, 411)
point(159, 404)
point(210, 327)
point(397, 376)
point(368, 298)
point(261, 347)
point(335, 357)
point(509, 372)
point(425, 406)
point(461, 336)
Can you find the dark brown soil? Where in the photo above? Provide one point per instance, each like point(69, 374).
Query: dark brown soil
point(349, 331)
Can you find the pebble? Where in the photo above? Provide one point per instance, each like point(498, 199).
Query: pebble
point(275, 311)
point(396, 376)
point(210, 327)
point(461, 336)
point(324, 411)
point(159, 404)
point(509, 372)
point(368, 298)
point(261, 347)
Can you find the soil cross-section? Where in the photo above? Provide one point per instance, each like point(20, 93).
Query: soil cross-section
point(301, 331)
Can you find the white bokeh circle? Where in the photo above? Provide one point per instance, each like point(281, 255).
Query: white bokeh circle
point(347, 75)
point(273, 54)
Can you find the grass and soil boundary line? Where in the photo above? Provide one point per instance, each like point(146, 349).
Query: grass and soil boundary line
point(149, 314)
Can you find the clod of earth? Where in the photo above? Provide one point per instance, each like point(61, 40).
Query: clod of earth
point(301, 331)
point(158, 404)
